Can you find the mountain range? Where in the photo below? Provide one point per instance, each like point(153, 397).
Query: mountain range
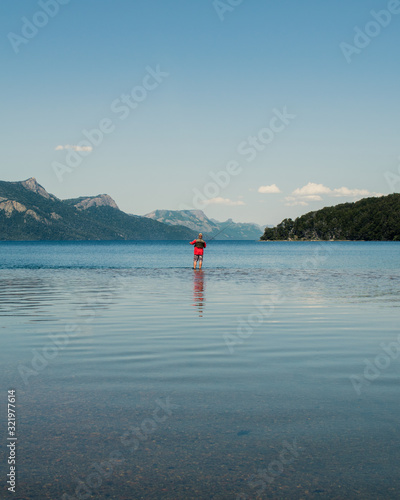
point(211, 228)
point(29, 213)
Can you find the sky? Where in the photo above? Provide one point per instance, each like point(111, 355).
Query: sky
point(247, 109)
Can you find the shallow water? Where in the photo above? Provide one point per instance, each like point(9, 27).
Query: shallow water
point(262, 376)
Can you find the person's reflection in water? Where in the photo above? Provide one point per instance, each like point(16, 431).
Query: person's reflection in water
point(198, 291)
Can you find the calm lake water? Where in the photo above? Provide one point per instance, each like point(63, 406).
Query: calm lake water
point(272, 373)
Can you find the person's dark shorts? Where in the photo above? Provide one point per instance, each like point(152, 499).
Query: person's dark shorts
point(198, 258)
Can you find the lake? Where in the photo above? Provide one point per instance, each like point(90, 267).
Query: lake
point(272, 373)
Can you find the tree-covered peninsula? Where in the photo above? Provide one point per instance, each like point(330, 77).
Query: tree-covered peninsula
point(370, 219)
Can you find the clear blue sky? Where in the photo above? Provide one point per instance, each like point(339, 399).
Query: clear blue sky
point(225, 79)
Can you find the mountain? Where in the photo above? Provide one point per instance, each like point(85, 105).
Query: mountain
point(370, 219)
point(29, 213)
point(32, 185)
point(85, 202)
point(211, 228)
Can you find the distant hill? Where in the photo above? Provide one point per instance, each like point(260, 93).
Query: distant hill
point(199, 222)
point(370, 219)
point(29, 213)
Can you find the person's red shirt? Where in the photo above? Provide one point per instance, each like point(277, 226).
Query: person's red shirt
point(198, 251)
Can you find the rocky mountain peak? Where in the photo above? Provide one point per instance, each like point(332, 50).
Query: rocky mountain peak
point(101, 200)
point(32, 185)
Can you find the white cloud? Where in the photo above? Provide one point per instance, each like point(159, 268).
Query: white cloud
point(291, 201)
point(313, 192)
point(344, 192)
point(311, 189)
point(223, 201)
point(74, 148)
point(312, 197)
point(272, 189)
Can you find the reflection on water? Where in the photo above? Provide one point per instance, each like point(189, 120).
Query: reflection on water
point(145, 334)
point(199, 291)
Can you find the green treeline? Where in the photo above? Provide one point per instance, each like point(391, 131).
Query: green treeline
point(370, 219)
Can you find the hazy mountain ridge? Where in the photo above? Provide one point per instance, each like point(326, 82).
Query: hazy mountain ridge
point(199, 222)
point(370, 219)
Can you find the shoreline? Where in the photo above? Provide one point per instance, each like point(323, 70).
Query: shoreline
point(329, 241)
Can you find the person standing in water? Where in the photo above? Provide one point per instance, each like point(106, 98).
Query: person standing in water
point(199, 245)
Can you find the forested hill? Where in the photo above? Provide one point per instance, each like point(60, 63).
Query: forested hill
point(29, 213)
point(370, 219)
